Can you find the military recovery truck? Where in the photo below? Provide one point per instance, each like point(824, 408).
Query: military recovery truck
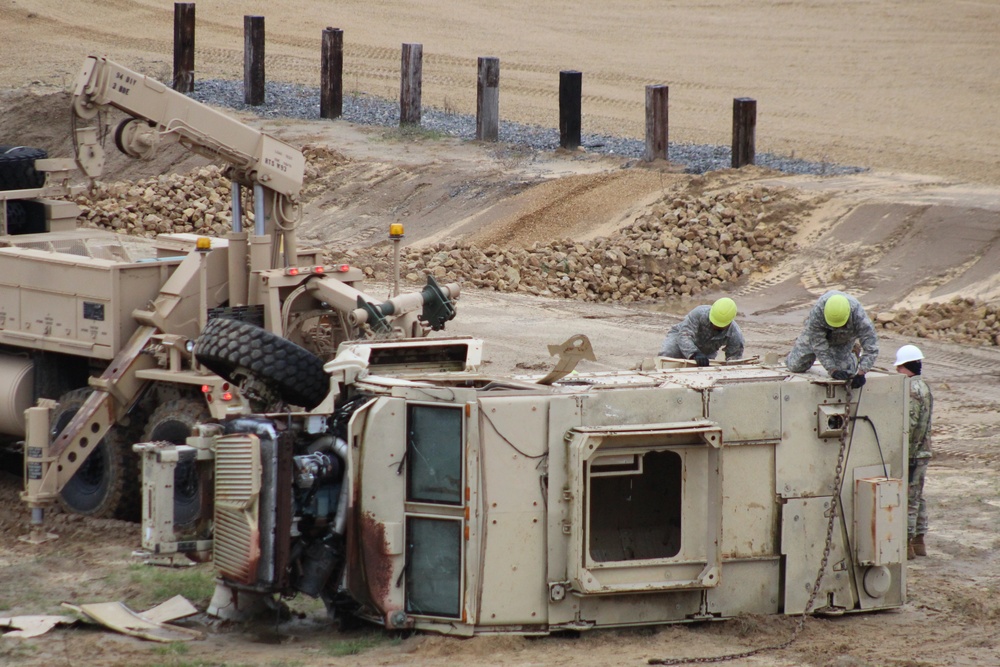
point(106, 323)
point(422, 493)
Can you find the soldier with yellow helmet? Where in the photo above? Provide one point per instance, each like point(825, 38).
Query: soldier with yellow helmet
point(703, 332)
point(832, 327)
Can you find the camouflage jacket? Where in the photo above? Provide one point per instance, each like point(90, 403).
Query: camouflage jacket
point(695, 333)
point(921, 404)
point(828, 343)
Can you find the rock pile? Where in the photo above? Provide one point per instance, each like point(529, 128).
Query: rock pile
point(199, 201)
point(681, 246)
point(195, 202)
point(959, 320)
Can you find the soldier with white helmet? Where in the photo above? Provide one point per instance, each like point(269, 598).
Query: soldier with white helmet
point(909, 363)
point(703, 332)
point(831, 329)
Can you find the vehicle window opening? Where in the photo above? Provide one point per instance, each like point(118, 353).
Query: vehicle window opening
point(433, 567)
point(434, 454)
point(636, 516)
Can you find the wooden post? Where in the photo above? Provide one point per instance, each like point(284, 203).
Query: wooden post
point(570, 93)
point(488, 100)
point(744, 131)
point(183, 47)
point(657, 128)
point(253, 60)
point(409, 85)
point(331, 90)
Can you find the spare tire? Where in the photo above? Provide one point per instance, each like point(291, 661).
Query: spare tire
point(17, 168)
point(295, 373)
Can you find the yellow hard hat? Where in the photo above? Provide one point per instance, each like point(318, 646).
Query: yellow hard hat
point(723, 312)
point(837, 310)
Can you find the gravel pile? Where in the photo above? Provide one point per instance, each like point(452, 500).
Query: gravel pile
point(284, 100)
point(195, 202)
point(959, 320)
point(680, 247)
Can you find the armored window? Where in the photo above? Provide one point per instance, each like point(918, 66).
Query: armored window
point(434, 454)
point(433, 567)
point(635, 506)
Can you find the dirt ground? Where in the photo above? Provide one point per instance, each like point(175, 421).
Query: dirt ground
point(904, 87)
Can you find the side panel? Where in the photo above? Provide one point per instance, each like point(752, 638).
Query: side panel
point(377, 560)
point(747, 587)
point(514, 448)
point(803, 536)
point(749, 412)
point(749, 507)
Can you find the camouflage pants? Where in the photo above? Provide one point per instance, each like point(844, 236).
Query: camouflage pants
point(801, 358)
point(916, 515)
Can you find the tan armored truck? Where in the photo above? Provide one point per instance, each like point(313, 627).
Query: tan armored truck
point(422, 493)
point(106, 323)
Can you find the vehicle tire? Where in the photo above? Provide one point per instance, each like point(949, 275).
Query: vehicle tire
point(294, 372)
point(173, 422)
point(106, 486)
point(17, 168)
point(25, 217)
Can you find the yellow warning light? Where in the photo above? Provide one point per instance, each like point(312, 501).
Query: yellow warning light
point(396, 230)
point(203, 243)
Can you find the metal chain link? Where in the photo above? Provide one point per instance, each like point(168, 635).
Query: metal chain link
point(827, 547)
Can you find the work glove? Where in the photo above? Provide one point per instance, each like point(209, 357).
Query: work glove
point(843, 376)
point(701, 359)
point(857, 381)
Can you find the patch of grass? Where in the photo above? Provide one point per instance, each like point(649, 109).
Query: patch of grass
point(173, 648)
point(157, 584)
point(358, 645)
point(12, 651)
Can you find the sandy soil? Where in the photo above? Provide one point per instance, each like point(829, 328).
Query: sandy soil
point(906, 85)
point(899, 86)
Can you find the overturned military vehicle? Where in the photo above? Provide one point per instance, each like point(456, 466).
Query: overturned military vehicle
point(422, 493)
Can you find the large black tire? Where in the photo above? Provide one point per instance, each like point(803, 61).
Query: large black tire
point(295, 373)
point(17, 168)
point(173, 422)
point(25, 217)
point(107, 484)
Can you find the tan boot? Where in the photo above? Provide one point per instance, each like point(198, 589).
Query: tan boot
point(910, 552)
point(917, 544)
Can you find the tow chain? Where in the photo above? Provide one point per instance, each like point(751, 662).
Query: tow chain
point(827, 547)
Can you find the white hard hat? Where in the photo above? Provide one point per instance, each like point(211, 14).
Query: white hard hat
point(908, 353)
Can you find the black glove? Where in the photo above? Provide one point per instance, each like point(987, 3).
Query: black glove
point(857, 381)
point(701, 359)
point(843, 376)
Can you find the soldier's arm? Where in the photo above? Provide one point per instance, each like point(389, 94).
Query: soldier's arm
point(734, 342)
point(869, 343)
point(686, 336)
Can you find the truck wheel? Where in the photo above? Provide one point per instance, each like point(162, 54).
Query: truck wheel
point(17, 168)
point(297, 374)
point(106, 486)
point(173, 422)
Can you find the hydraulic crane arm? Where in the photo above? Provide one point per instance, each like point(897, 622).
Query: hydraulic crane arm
point(166, 115)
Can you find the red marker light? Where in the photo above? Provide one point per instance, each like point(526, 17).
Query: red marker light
point(319, 269)
point(228, 396)
point(205, 389)
point(293, 272)
point(344, 268)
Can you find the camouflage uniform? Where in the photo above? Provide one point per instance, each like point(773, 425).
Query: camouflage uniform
point(834, 346)
point(696, 333)
point(921, 404)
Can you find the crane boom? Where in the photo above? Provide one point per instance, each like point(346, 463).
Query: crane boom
point(253, 156)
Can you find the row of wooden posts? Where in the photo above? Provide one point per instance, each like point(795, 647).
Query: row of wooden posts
point(487, 89)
